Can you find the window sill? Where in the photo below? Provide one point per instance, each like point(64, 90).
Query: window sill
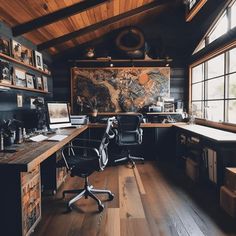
point(219, 125)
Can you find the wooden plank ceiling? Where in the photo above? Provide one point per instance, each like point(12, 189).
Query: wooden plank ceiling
point(16, 12)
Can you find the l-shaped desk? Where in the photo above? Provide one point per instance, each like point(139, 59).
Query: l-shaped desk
point(20, 178)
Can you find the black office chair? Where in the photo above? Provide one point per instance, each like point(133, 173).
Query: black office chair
point(83, 160)
point(129, 133)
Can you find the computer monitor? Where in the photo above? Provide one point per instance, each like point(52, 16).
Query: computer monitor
point(58, 115)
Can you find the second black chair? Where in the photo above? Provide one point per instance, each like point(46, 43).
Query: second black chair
point(129, 133)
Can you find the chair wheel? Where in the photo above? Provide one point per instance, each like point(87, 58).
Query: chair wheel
point(111, 197)
point(100, 208)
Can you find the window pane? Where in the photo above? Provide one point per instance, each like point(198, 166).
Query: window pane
point(201, 45)
point(216, 66)
point(197, 91)
point(197, 109)
point(233, 16)
point(215, 110)
point(191, 4)
point(220, 29)
point(215, 88)
point(232, 111)
point(197, 73)
point(232, 60)
point(232, 86)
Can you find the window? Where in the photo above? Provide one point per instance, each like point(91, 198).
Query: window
point(233, 16)
point(213, 88)
point(226, 22)
point(220, 28)
point(191, 4)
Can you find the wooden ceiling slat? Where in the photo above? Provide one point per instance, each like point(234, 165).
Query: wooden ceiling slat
point(16, 12)
point(116, 7)
point(55, 16)
point(100, 24)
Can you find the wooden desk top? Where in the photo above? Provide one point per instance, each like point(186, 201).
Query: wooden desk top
point(143, 125)
point(210, 133)
point(31, 154)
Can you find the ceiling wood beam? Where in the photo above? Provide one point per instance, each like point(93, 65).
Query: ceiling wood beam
point(55, 16)
point(101, 24)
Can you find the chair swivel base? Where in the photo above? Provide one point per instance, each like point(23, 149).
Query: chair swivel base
point(88, 191)
point(130, 159)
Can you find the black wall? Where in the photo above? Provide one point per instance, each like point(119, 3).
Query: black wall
point(8, 99)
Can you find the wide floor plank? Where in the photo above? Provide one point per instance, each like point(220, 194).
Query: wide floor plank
point(154, 199)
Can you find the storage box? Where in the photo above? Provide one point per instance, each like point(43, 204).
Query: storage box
point(192, 169)
point(230, 179)
point(228, 201)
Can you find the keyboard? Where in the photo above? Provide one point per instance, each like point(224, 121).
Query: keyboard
point(57, 137)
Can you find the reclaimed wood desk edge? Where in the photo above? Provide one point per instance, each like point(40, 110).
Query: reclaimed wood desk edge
point(18, 163)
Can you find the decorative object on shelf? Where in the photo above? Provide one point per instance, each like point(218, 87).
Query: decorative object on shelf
point(39, 82)
point(5, 72)
point(16, 50)
point(4, 46)
point(45, 83)
point(38, 59)
point(19, 100)
point(22, 53)
point(27, 56)
point(30, 80)
point(131, 41)
point(90, 52)
point(45, 69)
point(19, 77)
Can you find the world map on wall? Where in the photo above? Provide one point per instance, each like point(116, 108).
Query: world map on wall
point(120, 89)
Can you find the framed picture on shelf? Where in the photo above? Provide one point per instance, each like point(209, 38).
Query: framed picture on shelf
point(19, 77)
point(30, 80)
point(16, 50)
point(5, 72)
point(45, 83)
point(39, 82)
point(38, 59)
point(4, 46)
point(26, 55)
point(22, 53)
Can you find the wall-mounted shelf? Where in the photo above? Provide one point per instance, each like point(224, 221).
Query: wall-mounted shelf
point(22, 88)
point(6, 57)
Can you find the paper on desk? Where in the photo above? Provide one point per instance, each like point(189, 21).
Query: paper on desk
point(57, 137)
point(38, 138)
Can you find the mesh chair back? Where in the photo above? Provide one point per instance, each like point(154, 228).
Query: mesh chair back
point(129, 132)
point(109, 134)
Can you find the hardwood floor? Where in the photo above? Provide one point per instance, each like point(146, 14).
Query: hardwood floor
point(149, 200)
